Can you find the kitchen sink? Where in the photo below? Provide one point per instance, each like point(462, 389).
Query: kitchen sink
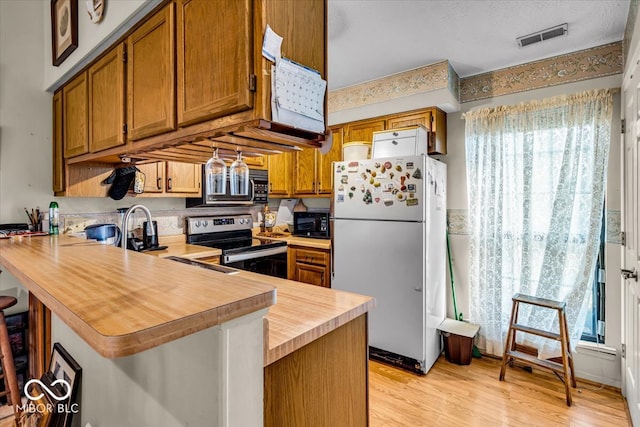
point(206, 265)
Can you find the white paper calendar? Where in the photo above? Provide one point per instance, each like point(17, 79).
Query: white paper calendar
point(298, 96)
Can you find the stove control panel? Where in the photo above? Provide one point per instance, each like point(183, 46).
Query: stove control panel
point(213, 224)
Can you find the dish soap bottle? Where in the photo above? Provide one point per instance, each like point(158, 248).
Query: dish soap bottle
point(54, 217)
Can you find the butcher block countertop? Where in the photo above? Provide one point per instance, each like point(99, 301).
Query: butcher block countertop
point(123, 302)
point(304, 313)
point(177, 246)
point(293, 240)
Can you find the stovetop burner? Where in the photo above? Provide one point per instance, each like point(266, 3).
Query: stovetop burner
point(231, 234)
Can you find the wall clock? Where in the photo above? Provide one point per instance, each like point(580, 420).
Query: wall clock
point(95, 9)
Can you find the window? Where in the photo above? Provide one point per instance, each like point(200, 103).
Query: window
point(594, 329)
point(535, 180)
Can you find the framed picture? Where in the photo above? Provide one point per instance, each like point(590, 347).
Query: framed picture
point(63, 367)
point(64, 29)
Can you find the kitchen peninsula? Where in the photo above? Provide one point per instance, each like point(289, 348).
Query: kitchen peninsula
point(162, 343)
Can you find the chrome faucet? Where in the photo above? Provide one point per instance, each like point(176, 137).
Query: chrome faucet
point(125, 224)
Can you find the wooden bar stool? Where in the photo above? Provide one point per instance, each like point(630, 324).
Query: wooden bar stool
point(6, 358)
point(510, 352)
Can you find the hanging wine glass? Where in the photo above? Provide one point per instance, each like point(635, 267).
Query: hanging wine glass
point(216, 176)
point(239, 177)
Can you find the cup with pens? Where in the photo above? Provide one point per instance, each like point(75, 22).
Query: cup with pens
point(34, 219)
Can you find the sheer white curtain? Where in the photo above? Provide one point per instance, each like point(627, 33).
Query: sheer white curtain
point(536, 177)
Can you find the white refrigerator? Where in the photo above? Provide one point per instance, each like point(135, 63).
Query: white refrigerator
point(389, 242)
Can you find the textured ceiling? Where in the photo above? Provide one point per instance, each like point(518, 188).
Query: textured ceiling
point(369, 39)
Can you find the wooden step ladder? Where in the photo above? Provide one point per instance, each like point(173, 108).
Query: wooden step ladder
point(510, 352)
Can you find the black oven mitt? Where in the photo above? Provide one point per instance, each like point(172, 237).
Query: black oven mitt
point(120, 180)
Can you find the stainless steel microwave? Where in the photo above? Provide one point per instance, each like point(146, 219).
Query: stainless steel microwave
point(311, 224)
point(258, 193)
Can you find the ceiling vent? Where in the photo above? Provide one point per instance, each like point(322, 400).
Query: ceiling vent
point(549, 33)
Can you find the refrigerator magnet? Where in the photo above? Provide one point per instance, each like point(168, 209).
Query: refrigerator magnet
point(377, 199)
point(388, 202)
point(412, 202)
point(339, 198)
point(411, 187)
point(344, 179)
point(409, 165)
point(417, 174)
point(367, 199)
point(341, 187)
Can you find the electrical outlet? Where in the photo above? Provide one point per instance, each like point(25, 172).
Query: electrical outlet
point(77, 225)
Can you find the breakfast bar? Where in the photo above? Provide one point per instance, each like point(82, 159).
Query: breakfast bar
point(163, 343)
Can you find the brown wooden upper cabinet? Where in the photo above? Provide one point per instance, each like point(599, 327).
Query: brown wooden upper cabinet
point(280, 172)
point(215, 66)
point(434, 119)
point(183, 177)
point(151, 77)
point(74, 122)
point(170, 179)
point(363, 130)
point(106, 88)
point(312, 171)
point(57, 144)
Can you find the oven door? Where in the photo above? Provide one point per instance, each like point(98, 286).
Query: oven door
point(271, 261)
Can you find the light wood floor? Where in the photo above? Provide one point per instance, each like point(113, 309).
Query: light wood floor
point(471, 395)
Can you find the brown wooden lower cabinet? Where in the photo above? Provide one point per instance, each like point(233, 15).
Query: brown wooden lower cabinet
point(324, 383)
point(311, 266)
point(39, 337)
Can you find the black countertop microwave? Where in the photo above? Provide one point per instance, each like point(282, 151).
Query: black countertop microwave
point(311, 224)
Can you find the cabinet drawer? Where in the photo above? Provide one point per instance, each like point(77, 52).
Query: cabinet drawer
point(309, 256)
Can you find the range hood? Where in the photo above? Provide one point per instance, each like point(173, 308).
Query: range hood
point(194, 144)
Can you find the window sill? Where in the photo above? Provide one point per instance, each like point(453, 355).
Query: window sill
point(596, 350)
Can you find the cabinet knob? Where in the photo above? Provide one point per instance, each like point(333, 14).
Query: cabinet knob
point(159, 183)
point(395, 134)
point(394, 142)
point(169, 184)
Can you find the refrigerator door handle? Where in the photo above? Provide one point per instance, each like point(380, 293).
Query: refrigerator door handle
point(417, 289)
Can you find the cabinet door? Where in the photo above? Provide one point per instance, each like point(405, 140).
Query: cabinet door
point(312, 274)
point(151, 78)
point(258, 162)
point(419, 118)
point(325, 175)
point(363, 130)
point(75, 126)
point(304, 172)
point(434, 119)
point(438, 143)
point(214, 58)
point(280, 175)
point(106, 101)
point(58, 154)
point(153, 176)
point(183, 177)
